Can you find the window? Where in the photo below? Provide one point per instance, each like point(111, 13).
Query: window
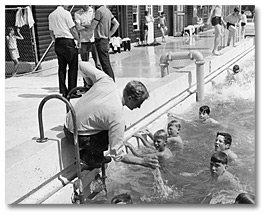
point(135, 17)
point(179, 7)
point(160, 9)
point(149, 8)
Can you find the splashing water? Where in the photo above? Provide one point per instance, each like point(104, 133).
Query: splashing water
point(232, 105)
point(159, 184)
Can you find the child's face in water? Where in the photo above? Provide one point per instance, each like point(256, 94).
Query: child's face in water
point(217, 168)
point(203, 115)
point(173, 131)
point(220, 143)
point(159, 143)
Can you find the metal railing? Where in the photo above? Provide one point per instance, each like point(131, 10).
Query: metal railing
point(43, 139)
point(164, 63)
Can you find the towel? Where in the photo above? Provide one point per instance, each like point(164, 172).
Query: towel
point(19, 22)
point(28, 17)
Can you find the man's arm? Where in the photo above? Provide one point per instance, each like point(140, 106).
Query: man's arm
point(91, 27)
point(90, 73)
point(74, 33)
point(52, 35)
point(151, 162)
point(78, 24)
point(115, 26)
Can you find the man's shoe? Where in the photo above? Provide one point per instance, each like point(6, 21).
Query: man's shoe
point(107, 159)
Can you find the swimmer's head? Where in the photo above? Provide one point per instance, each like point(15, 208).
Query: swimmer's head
point(218, 164)
point(173, 128)
point(223, 141)
point(204, 112)
point(122, 199)
point(236, 69)
point(245, 198)
point(160, 139)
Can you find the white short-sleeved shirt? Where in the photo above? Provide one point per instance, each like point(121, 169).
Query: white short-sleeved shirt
point(100, 109)
point(243, 18)
point(85, 17)
point(60, 22)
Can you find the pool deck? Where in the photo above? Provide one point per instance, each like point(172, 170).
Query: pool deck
point(24, 93)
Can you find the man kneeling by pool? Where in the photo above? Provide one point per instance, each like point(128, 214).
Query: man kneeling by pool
point(100, 119)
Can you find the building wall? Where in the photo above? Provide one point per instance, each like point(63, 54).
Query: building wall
point(123, 13)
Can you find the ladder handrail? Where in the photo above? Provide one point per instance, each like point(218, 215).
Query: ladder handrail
point(42, 139)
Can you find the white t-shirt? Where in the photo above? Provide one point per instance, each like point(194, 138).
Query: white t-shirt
point(60, 22)
point(85, 17)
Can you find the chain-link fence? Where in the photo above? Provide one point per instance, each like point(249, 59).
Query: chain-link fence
point(25, 46)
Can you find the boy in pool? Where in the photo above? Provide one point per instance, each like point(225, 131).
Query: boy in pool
point(204, 115)
point(226, 184)
point(173, 130)
point(173, 138)
point(219, 166)
point(159, 140)
point(122, 199)
point(223, 143)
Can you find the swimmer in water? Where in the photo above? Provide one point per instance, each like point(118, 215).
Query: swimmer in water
point(204, 115)
point(223, 144)
point(230, 78)
point(245, 198)
point(159, 142)
point(122, 199)
point(173, 130)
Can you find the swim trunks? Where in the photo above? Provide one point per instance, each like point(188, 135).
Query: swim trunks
point(216, 20)
point(243, 24)
point(229, 24)
point(145, 27)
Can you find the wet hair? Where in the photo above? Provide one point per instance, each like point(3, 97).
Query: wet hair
point(236, 69)
point(219, 157)
point(124, 198)
point(136, 90)
point(227, 137)
point(236, 9)
point(175, 123)
point(161, 134)
point(204, 109)
point(245, 198)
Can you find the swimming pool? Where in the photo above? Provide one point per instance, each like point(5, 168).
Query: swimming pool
point(233, 106)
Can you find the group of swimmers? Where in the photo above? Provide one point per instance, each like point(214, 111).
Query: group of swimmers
point(159, 144)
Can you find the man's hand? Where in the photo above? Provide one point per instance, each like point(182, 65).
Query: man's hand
point(78, 44)
point(151, 161)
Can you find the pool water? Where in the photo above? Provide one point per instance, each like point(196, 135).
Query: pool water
point(186, 177)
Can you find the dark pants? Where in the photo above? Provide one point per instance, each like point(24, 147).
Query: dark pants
point(86, 48)
point(67, 55)
point(103, 48)
point(93, 145)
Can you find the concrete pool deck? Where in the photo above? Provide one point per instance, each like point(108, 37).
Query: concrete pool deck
point(27, 161)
